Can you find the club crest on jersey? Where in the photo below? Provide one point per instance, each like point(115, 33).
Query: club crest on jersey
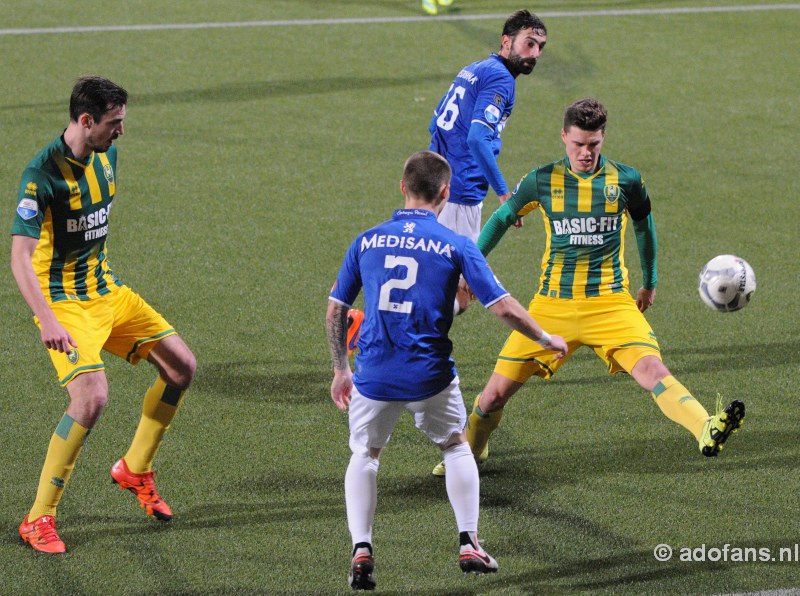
point(492, 114)
point(611, 193)
point(72, 356)
point(27, 209)
point(108, 173)
point(408, 227)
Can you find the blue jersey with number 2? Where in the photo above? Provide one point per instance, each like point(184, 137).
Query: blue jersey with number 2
point(409, 267)
point(482, 92)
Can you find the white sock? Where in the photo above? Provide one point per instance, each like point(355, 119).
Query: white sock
point(463, 486)
point(456, 307)
point(361, 496)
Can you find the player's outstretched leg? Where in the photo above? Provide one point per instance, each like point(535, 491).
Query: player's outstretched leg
point(362, 568)
point(144, 487)
point(472, 558)
point(721, 426)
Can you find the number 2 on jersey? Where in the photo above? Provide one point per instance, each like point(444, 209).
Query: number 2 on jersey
point(447, 119)
point(384, 302)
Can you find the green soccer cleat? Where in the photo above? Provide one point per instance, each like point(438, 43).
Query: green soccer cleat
point(719, 427)
point(438, 469)
point(445, 2)
point(430, 7)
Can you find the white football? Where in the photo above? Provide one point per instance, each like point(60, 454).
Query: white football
point(727, 283)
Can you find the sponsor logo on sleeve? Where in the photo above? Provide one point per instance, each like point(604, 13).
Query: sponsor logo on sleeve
point(27, 209)
point(492, 114)
point(498, 100)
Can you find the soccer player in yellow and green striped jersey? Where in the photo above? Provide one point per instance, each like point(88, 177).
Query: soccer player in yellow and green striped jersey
point(60, 263)
point(586, 202)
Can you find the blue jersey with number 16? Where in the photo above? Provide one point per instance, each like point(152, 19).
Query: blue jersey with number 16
point(482, 92)
point(409, 267)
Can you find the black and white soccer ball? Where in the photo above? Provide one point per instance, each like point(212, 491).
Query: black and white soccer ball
point(727, 283)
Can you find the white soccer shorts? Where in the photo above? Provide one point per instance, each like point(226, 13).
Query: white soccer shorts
point(440, 418)
point(462, 219)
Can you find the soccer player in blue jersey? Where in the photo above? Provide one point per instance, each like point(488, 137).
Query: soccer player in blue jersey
point(467, 122)
point(586, 201)
point(409, 268)
point(59, 261)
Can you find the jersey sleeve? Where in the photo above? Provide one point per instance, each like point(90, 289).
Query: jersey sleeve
point(348, 282)
point(482, 146)
point(647, 243)
point(523, 199)
point(481, 280)
point(638, 199)
point(495, 98)
point(33, 199)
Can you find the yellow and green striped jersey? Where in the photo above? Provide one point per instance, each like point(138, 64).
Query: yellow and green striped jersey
point(65, 203)
point(585, 217)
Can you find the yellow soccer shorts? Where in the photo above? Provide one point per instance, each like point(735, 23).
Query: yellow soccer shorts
point(120, 322)
point(611, 325)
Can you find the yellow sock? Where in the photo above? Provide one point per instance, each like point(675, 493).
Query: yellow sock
point(65, 445)
point(161, 403)
point(480, 426)
point(679, 405)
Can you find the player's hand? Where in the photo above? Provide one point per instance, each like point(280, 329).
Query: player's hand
point(558, 345)
point(503, 198)
point(55, 337)
point(341, 388)
point(464, 291)
point(645, 299)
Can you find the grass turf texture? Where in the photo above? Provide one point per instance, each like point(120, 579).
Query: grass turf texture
point(253, 156)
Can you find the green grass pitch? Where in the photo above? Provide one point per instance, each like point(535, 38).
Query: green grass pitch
point(252, 157)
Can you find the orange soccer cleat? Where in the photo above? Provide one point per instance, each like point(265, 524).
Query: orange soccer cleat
point(354, 319)
point(143, 486)
point(41, 535)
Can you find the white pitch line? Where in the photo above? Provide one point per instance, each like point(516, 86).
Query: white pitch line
point(383, 20)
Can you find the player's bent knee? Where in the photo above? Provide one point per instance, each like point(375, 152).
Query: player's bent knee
point(180, 376)
point(497, 392)
point(648, 371)
point(175, 362)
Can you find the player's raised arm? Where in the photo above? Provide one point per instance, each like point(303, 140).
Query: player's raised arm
point(513, 314)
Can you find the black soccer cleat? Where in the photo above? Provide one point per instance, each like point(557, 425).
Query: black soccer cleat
point(721, 426)
point(362, 571)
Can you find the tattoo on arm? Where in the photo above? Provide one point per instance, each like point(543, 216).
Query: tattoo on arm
point(337, 335)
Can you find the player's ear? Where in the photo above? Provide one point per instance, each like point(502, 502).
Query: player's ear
point(564, 136)
point(445, 192)
point(403, 186)
point(85, 120)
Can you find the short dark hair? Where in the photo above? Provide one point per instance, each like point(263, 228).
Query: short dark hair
point(95, 96)
point(424, 174)
point(587, 114)
point(522, 19)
